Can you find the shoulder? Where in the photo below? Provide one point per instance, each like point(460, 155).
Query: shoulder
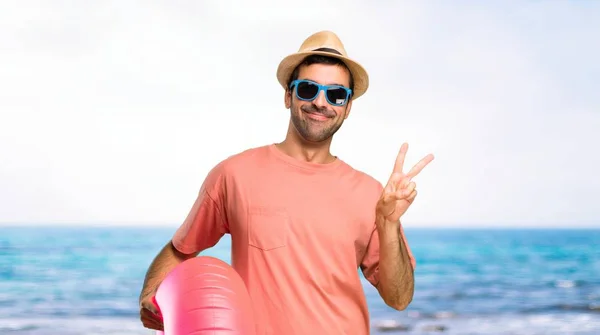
point(225, 174)
point(363, 182)
point(236, 161)
point(235, 164)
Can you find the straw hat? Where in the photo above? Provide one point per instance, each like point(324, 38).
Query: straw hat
point(328, 44)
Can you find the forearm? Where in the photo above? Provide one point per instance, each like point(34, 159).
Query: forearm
point(396, 281)
point(166, 260)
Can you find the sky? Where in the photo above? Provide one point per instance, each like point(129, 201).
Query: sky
point(113, 112)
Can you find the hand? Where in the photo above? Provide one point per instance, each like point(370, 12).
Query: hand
point(400, 191)
point(149, 313)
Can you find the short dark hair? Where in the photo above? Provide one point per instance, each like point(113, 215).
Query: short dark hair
point(319, 59)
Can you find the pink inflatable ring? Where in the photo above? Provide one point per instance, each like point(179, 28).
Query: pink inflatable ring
point(204, 296)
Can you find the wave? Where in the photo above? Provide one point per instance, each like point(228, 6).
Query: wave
point(593, 307)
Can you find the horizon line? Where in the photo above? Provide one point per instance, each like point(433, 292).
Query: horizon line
point(411, 225)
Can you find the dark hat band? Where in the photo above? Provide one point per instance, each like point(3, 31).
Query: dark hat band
point(333, 51)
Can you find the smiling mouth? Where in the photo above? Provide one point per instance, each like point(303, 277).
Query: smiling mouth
point(317, 116)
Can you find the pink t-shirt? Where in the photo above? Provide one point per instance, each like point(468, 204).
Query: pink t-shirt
point(300, 231)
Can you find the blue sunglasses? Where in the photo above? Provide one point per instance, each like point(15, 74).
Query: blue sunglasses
point(308, 90)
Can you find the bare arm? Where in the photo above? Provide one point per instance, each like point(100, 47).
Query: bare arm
point(204, 225)
point(396, 281)
point(166, 260)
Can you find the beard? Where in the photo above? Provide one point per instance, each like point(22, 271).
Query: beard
point(311, 131)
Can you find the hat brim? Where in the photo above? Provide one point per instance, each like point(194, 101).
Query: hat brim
point(359, 74)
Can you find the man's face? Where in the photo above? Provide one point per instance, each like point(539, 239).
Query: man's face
point(318, 120)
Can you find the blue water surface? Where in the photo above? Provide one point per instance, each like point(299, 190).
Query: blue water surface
point(86, 280)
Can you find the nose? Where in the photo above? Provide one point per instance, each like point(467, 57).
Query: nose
point(321, 101)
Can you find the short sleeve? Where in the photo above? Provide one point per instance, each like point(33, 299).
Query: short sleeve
point(206, 222)
point(370, 262)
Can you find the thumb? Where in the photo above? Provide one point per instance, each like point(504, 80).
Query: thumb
point(386, 204)
point(154, 305)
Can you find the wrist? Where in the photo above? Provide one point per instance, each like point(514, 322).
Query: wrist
point(147, 292)
point(387, 227)
point(382, 221)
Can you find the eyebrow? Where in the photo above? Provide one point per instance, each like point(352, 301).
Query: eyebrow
point(332, 84)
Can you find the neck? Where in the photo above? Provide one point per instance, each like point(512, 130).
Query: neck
point(298, 148)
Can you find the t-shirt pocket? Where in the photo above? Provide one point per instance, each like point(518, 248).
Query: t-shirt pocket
point(267, 228)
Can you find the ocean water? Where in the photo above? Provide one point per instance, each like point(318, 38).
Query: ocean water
point(68, 280)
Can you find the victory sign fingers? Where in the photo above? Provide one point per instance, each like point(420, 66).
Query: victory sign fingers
point(400, 190)
point(398, 174)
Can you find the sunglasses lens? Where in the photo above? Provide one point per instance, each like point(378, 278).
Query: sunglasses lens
point(337, 96)
point(307, 91)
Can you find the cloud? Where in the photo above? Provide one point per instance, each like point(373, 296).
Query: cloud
point(115, 111)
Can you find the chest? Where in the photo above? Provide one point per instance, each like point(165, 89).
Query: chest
point(308, 212)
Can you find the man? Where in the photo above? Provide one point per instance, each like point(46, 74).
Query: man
point(301, 220)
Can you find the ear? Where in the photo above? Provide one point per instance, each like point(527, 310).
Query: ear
point(287, 98)
point(348, 107)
